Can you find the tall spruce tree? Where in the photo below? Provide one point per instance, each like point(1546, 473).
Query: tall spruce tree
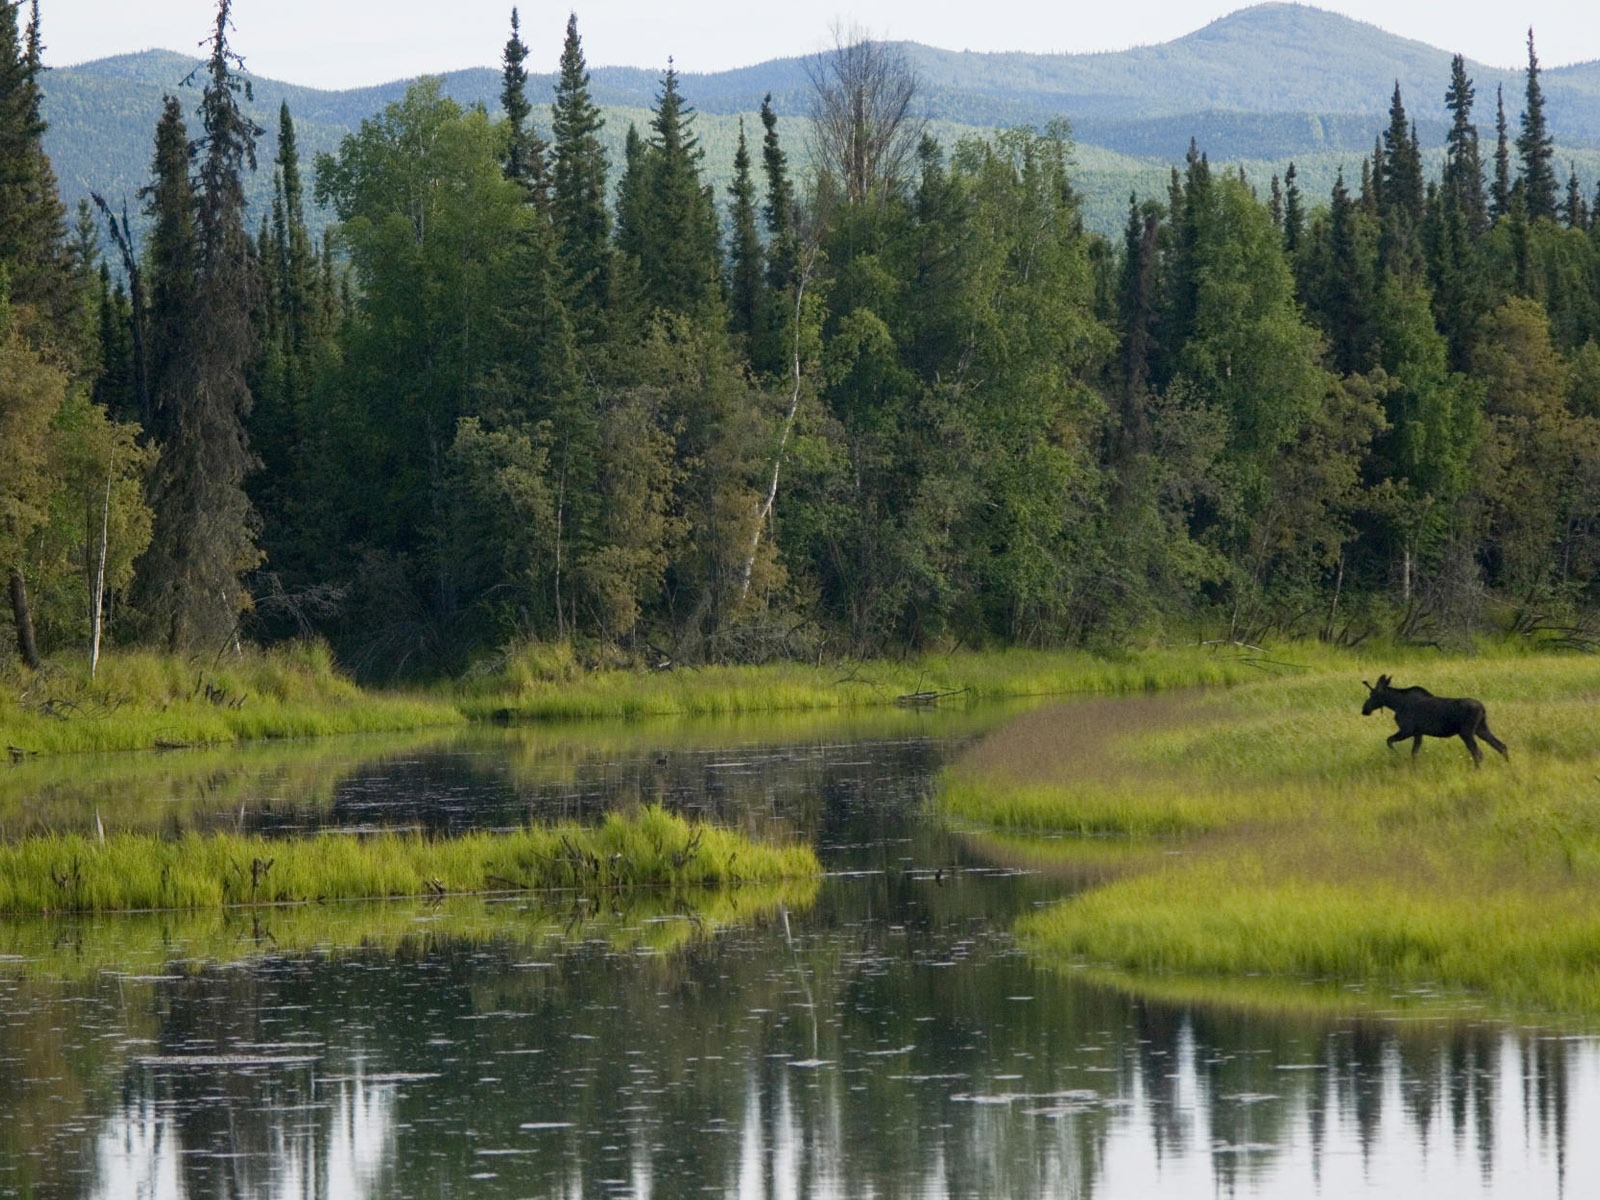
point(746, 268)
point(667, 218)
point(1535, 147)
point(1294, 213)
point(192, 584)
point(33, 232)
point(578, 190)
point(525, 149)
point(1401, 164)
point(1463, 163)
point(1500, 189)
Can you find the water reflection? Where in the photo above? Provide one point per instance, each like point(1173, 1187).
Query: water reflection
point(884, 1038)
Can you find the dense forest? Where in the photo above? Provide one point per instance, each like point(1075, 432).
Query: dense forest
point(900, 400)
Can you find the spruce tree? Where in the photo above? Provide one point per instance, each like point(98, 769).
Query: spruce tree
point(169, 207)
point(33, 232)
point(1401, 191)
point(204, 541)
point(1535, 147)
point(1500, 189)
point(525, 149)
point(673, 229)
point(778, 209)
point(1463, 163)
point(746, 278)
point(578, 190)
point(1576, 210)
point(1294, 216)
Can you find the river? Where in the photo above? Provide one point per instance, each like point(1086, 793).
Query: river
point(881, 1035)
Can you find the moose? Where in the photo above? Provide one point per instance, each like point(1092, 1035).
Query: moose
point(1418, 713)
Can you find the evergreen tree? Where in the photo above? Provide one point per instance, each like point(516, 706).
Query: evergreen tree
point(1576, 209)
point(1535, 147)
point(666, 216)
point(578, 190)
point(1463, 164)
point(525, 149)
point(1401, 165)
point(169, 206)
point(1294, 217)
point(204, 541)
point(33, 234)
point(778, 209)
point(1500, 189)
point(746, 274)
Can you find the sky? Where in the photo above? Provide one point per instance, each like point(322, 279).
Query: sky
point(350, 43)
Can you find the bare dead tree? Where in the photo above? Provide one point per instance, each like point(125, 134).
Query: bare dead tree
point(865, 125)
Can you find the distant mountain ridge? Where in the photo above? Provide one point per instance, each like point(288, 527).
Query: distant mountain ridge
point(1265, 84)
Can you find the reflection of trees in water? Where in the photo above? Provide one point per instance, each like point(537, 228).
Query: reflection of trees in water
point(152, 1147)
point(846, 1060)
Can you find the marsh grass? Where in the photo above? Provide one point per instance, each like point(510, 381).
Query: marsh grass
point(1301, 846)
point(128, 872)
point(141, 700)
point(534, 682)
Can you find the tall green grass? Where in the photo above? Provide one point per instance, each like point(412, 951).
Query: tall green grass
point(1297, 844)
point(539, 682)
point(650, 848)
point(141, 699)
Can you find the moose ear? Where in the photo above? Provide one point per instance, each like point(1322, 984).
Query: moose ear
point(1366, 685)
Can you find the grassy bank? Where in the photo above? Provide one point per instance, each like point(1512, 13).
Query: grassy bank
point(142, 700)
point(1295, 843)
point(545, 682)
point(650, 849)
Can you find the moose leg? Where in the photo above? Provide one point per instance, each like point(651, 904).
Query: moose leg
point(1416, 745)
point(1472, 748)
point(1483, 732)
point(1395, 737)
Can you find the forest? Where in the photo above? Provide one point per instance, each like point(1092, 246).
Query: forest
point(882, 395)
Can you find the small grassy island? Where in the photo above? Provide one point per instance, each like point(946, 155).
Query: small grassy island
point(1264, 833)
point(129, 872)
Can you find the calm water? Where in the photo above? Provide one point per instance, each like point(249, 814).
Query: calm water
point(884, 1038)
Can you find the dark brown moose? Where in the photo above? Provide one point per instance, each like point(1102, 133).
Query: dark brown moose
point(1419, 713)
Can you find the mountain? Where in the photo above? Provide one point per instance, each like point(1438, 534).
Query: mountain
point(1262, 86)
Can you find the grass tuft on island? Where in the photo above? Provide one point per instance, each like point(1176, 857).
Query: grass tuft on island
point(650, 848)
point(1290, 841)
point(141, 700)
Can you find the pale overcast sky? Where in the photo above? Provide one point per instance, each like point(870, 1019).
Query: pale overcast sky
point(345, 43)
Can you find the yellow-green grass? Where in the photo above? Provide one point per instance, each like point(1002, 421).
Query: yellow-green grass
point(142, 944)
point(125, 872)
point(537, 681)
point(143, 700)
point(1295, 843)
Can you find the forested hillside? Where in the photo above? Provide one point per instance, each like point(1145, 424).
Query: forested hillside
point(539, 386)
point(1269, 84)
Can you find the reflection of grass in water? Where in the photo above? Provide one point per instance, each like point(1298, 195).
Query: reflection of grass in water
point(1316, 852)
point(173, 791)
point(156, 943)
point(651, 848)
